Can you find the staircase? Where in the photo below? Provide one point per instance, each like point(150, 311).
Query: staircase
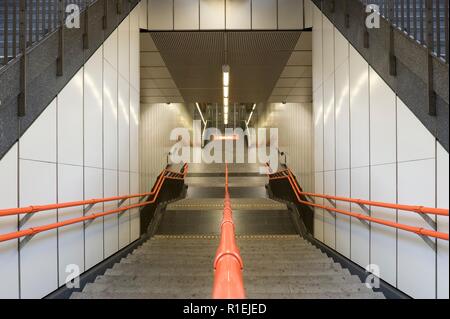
point(178, 261)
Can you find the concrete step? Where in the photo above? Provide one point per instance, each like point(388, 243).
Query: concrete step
point(305, 287)
point(137, 295)
point(126, 269)
point(134, 295)
point(186, 287)
point(340, 295)
point(199, 285)
point(156, 280)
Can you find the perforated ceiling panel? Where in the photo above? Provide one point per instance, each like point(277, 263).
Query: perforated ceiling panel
point(256, 58)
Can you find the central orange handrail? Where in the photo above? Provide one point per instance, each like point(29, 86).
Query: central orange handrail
point(165, 175)
point(228, 265)
point(287, 174)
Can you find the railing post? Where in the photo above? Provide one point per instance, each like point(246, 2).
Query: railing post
point(392, 57)
point(5, 32)
point(22, 98)
point(86, 26)
point(119, 6)
point(347, 15)
point(60, 59)
point(430, 44)
point(366, 31)
point(105, 14)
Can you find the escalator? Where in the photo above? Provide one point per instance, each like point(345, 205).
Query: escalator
point(177, 262)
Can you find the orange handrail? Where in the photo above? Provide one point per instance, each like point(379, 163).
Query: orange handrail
point(38, 229)
point(228, 265)
point(287, 174)
point(40, 208)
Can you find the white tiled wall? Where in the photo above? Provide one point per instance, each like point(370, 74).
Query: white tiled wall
point(84, 145)
point(227, 14)
point(369, 145)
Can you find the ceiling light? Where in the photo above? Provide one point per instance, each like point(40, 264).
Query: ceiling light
point(226, 75)
point(226, 91)
point(201, 115)
point(225, 101)
point(250, 117)
point(225, 109)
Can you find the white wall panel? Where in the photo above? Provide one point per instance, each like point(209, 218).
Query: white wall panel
point(186, 15)
point(318, 213)
point(124, 48)
point(416, 186)
point(359, 109)
point(442, 202)
point(39, 141)
point(124, 125)
point(317, 52)
point(70, 238)
point(415, 142)
point(212, 14)
point(328, 48)
point(264, 14)
point(160, 14)
point(309, 6)
point(343, 221)
point(111, 230)
point(143, 14)
point(134, 130)
point(93, 110)
point(38, 187)
point(360, 235)
point(110, 49)
point(383, 188)
point(70, 121)
point(134, 213)
point(124, 217)
point(318, 130)
point(329, 218)
point(342, 117)
point(290, 14)
point(109, 116)
point(134, 50)
point(238, 13)
point(329, 145)
point(341, 49)
point(93, 188)
point(9, 256)
point(383, 120)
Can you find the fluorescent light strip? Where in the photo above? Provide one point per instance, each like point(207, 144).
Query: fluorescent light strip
point(226, 78)
point(226, 91)
point(201, 115)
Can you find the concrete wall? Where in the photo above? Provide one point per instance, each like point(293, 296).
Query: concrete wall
point(368, 144)
point(228, 14)
point(84, 145)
